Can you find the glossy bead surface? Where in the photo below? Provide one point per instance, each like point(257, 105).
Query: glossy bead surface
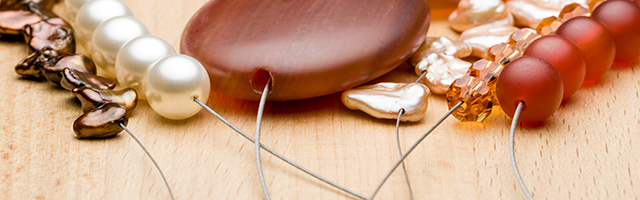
point(622, 18)
point(441, 70)
point(53, 71)
point(71, 8)
point(573, 10)
point(565, 57)
point(476, 97)
point(384, 100)
point(488, 72)
point(473, 13)
point(53, 33)
point(94, 12)
point(521, 39)
point(136, 57)
point(549, 26)
point(102, 122)
point(503, 53)
point(92, 98)
point(109, 37)
point(596, 43)
point(534, 81)
point(530, 12)
point(483, 37)
point(72, 79)
point(173, 82)
point(442, 45)
point(353, 42)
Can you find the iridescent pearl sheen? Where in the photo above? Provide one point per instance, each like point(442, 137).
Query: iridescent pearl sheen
point(473, 13)
point(483, 37)
point(622, 18)
point(595, 41)
point(71, 8)
point(441, 70)
point(109, 37)
point(565, 56)
point(384, 100)
point(534, 81)
point(136, 57)
point(173, 82)
point(94, 12)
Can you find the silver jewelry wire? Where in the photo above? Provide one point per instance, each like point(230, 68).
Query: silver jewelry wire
point(413, 147)
point(276, 154)
point(404, 169)
point(150, 157)
point(424, 73)
point(514, 125)
point(263, 100)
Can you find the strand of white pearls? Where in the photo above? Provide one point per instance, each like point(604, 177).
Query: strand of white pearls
point(121, 47)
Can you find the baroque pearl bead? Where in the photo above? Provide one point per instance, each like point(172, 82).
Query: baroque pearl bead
point(483, 37)
point(442, 70)
point(384, 100)
point(136, 57)
point(172, 83)
point(71, 8)
point(94, 12)
point(109, 37)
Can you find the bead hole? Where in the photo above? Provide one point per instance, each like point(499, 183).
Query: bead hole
point(259, 79)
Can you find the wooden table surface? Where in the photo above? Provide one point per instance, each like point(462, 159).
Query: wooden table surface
point(586, 150)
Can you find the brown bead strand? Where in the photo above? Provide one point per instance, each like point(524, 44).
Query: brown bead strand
point(52, 46)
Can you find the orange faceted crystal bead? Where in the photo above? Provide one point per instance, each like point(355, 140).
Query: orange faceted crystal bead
point(488, 72)
point(503, 53)
point(548, 26)
point(476, 98)
point(522, 38)
point(593, 4)
point(573, 10)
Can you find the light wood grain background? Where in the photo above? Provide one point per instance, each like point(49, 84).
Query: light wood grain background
point(586, 150)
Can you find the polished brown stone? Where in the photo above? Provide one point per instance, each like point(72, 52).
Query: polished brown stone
point(309, 48)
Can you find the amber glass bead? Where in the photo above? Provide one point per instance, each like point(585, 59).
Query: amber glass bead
point(488, 72)
point(533, 81)
point(503, 53)
point(596, 43)
point(594, 3)
point(623, 20)
point(476, 98)
point(573, 10)
point(549, 25)
point(522, 38)
point(565, 56)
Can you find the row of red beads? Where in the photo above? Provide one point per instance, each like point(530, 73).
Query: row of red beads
point(554, 67)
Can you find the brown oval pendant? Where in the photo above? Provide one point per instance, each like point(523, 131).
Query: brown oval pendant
point(309, 48)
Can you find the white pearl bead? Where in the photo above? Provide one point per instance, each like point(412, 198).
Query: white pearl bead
point(136, 57)
point(109, 37)
point(172, 83)
point(94, 12)
point(71, 8)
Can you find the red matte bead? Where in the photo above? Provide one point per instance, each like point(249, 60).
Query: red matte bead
point(565, 56)
point(623, 20)
point(534, 81)
point(595, 41)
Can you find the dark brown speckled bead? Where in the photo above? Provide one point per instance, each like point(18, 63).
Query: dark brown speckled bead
point(102, 122)
point(93, 98)
point(72, 79)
